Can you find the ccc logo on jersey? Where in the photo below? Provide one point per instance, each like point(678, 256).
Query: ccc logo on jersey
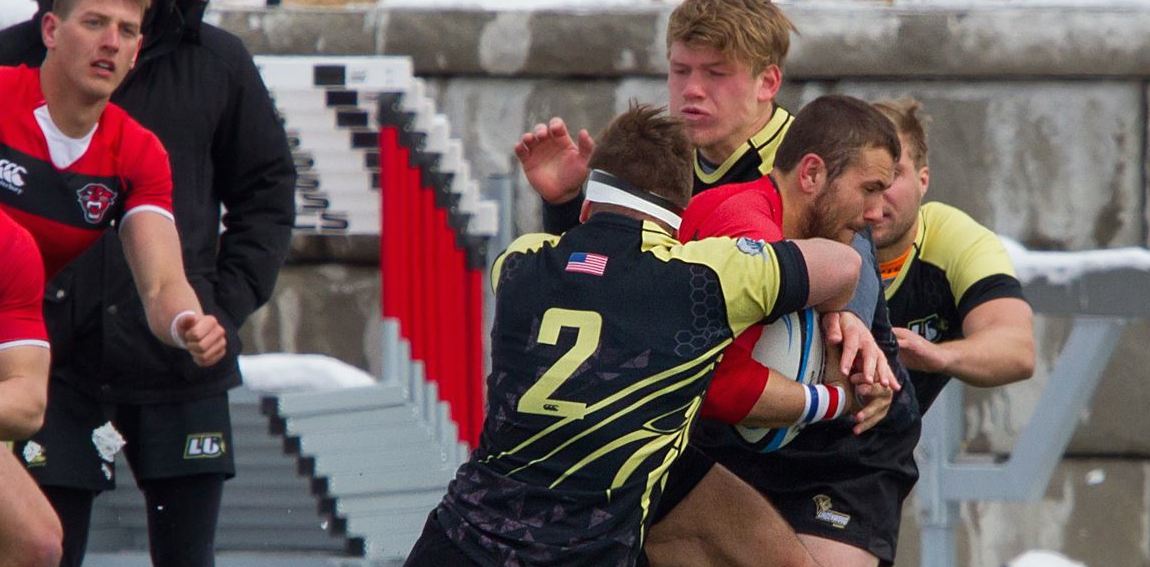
point(95, 199)
point(12, 176)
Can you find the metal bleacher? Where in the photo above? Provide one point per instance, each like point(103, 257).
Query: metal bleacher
point(378, 457)
point(267, 507)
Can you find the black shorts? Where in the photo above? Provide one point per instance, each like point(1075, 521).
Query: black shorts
point(434, 549)
point(162, 440)
point(833, 484)
point(685, 472)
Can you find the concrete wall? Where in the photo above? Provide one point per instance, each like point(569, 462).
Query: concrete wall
point(1039, 132)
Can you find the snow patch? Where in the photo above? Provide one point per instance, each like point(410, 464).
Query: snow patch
point(279, 373)
point(1064, 267)
point(1044, 559)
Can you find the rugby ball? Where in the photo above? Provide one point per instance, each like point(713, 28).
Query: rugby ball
point(793, 347)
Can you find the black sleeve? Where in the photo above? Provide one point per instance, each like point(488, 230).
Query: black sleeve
point(255, 179)
point(558, 219)
point(991, 287)
point(795, 283)
point(20, 44)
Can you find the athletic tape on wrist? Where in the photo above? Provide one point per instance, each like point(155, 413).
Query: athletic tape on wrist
point(174, 328)
point(823, 403)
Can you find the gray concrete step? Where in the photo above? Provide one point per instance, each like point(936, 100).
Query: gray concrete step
point(267, 507)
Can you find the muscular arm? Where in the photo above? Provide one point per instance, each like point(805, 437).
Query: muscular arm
point(997, 349)
point(835, 271)
point(23, 390)
point(152, 248)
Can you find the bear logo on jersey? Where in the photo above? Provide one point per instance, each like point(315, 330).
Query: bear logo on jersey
point(96, 199)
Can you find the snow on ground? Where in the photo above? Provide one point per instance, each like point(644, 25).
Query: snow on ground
point(1063, 267)
point(279, 373)
point(1044, 559)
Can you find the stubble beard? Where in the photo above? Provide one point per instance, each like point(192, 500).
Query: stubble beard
point(822, 219)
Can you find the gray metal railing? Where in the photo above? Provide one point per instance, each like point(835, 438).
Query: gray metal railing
point(1100, 303)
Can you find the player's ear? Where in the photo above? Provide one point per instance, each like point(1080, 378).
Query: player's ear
point(769, 81)
point(48, 26)
point(812, 173)
point(924, 180)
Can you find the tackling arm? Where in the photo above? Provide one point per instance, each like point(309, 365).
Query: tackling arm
point(836, 270)
point(997, 347)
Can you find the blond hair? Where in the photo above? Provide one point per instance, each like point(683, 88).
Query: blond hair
point(904, 112)
point(754, 32)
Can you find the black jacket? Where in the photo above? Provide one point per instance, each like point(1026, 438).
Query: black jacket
point(197, 88)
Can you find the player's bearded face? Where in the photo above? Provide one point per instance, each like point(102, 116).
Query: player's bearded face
point(854, 198)
point(832, 216)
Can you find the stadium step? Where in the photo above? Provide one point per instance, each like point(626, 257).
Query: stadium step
point(267, 507)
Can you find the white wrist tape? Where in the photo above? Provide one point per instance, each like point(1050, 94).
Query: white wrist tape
point(174, 328)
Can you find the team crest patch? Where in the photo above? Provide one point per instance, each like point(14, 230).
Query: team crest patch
point(205, 446)
point(96, 199)
point(750, 246)
point(824, 512)
point(34, 455)
point(929, 328)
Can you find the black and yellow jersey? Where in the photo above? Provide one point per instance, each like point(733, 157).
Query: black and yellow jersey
point(751, 162)
point(603, 344)
point(954, 266)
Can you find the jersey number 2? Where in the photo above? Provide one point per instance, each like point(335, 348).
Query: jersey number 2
point(588, 326)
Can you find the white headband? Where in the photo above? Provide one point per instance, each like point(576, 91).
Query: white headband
point(604, 188)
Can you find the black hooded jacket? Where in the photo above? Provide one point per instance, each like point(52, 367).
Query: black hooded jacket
point(198, 89)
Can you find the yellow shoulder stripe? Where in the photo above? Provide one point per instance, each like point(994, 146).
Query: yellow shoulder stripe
point(765, 141)
point(748, 272)
point(964, 249)
point(523, 244)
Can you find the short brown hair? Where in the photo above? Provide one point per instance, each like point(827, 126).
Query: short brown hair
point(648, 149)
point(63, 8)
point(904, 112)
point(837, 128)
point(755, 32)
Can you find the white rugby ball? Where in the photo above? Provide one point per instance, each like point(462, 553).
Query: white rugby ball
point(793, 347)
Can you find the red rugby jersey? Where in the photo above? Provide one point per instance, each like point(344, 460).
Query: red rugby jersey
point(752, 209)
point(21, 288)
point(123, 170)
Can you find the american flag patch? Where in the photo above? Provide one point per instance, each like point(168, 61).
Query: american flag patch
point(585, 263)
